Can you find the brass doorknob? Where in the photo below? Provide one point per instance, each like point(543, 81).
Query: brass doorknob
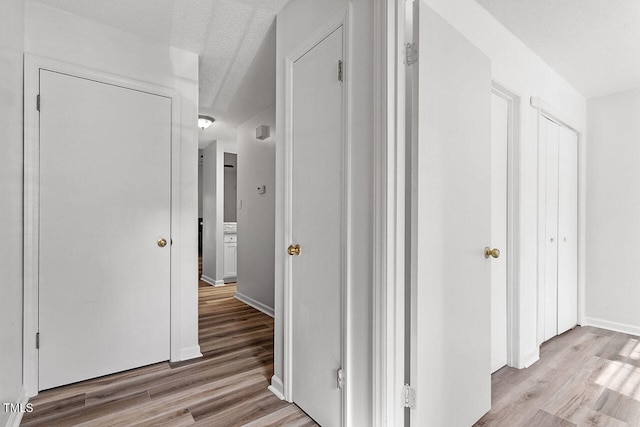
point(294, 250)
point(162, 243)
point(491, 252)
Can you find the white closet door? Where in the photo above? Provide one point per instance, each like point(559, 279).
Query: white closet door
point(567, 230)
point(551, 131)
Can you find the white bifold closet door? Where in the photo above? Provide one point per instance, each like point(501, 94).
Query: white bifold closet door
point(560, 292)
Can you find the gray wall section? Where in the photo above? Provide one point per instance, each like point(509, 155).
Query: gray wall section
point(230, 187)
point(200, 159)
point(256, 216)
point(11, 51)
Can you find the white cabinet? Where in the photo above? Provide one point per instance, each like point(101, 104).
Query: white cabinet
point(230, 257)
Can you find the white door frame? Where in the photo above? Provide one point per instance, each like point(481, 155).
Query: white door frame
point(340, 19)
point(32, 66)
point(513, 232)
point(390, 71)
point(547, 110)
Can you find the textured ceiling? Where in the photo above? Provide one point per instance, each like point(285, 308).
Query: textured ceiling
point(232, 38)
point(593, 44)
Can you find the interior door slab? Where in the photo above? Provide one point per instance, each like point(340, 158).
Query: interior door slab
point(451, 325)
point(318, 212)
point(105, 188)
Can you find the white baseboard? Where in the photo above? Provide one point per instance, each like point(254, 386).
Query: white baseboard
point(15, 418)
point(212, 282)
point(613, 326)
point(255, 304)
point(530, 359)
point(192, 352)
point(276, 387)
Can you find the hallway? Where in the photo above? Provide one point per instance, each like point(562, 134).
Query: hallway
point(226, 387)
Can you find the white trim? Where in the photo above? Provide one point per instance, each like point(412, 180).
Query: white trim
point(15, 418)
point(513, 229)
point(340, 19)
point(547, 110)
point(389, 213)
point(276, 387)
point(32, 65)
point(255, 304)
point(530, 359)
point(212, 282)
point(190, 353)
point(552, 113)
point(612, 326)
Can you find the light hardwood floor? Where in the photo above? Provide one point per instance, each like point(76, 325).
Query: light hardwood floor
point(226, 387)
point(585, 377)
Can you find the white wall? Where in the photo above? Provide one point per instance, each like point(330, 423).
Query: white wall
point(296, 21)
point(613, 212)
point(11, 48)
point(68, 38)
point(518, 69)
point(256, 212)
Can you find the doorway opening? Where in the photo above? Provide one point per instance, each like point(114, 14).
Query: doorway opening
point(505, 115)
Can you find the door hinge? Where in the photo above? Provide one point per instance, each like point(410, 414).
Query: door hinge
point(339, 70)
point(410, 53)
point(340, 379)
point(408, 397)
point(38, 102)
point(37, 340)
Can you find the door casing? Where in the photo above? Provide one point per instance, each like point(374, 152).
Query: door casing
point(340, 19)
point(513, 196)
point(32, 66)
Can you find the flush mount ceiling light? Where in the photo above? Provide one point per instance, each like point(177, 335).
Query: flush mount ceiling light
point(205, 121)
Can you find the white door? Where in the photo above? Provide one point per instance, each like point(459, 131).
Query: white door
point(105, 164)
point(567, 230)
point(499, 159)
point(451, 318)
point(560, 291)
point(550, 131)
point(317, 218)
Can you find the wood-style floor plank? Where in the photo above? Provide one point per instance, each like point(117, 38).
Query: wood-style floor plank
point(585, 377)
point(226, 387)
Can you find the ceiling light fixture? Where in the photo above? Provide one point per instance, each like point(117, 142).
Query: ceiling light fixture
point(205, 121)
